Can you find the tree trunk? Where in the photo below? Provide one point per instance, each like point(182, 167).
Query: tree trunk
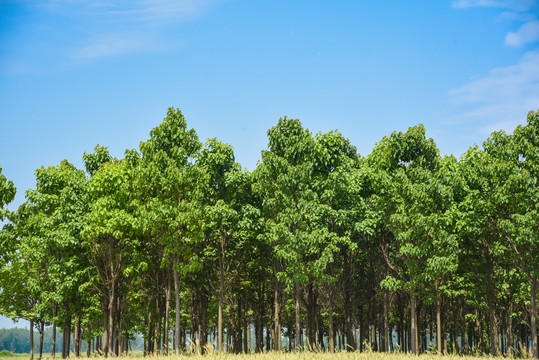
point(53, 346)
point(41, 332)
point(385, 320)
point(177, 298)
point(157, 339)
point(480, 343)
point(119, 341)
point(148, 341)
point(203, 333)
point(312, 320)
point(106, 334)
point(259, 320)
point(351, 343)
point(533, 314)
point(490, 305)
point(221, 300)
point(413, 324)
point(330, 322)
point(112, 301)
point(509, 330)
point(31, 339)
point(438, 317)
point(277, 318)
point(319, 331)
point(167, 315)
point(67, 337)
point(248, 337)
point(76, 337)
point(297, 340)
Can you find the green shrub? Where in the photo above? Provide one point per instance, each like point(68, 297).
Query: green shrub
point(5, 353)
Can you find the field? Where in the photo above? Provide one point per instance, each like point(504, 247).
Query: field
point(285, 356)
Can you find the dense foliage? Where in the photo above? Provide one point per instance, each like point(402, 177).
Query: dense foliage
point(317, 248)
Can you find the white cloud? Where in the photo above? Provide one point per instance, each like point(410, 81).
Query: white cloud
point(501, 99)
point(127, 10)
point(158, 10)
point(117, 44)
point(103, 28)
point(516, 16)
point(528, 33)
point(518, 5)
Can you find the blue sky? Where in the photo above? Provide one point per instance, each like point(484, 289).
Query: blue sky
point(76, 73)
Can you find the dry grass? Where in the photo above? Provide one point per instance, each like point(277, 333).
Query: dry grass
point(287, 356)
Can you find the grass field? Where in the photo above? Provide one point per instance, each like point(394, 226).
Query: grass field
point(284, 356)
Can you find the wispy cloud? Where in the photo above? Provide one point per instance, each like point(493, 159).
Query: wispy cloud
point(128, 11)
point(524, 11)
point(501, 99)
point(106, 45)
point(90, 30)
point(517, 5)
point(528, 33)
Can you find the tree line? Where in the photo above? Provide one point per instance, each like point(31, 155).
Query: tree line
point(317, 248)
point(17, 341)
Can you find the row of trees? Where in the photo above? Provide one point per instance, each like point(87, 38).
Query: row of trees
point(16, 340)
point(317, 248)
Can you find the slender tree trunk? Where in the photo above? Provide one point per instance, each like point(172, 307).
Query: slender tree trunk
point(203, 322)
point(248, 336)
point(76, 337)
point(149, 348)
point(298, 331)
point(438, 317)
point(53, 346)
point(259, 319)
point(177, 298)
point(119, 341)
point(110, 348)
point(385, 320)
point(67, 336)
point(157, 339)
point(41, 333)
point(106, 334)
point(319, 327)
point(277, 318)
point(312, 319)
point(31, 339)
point(509, 329)
point(490, 304)
point(167, 315)
point(480, 342)
point(330, 322)
point(413, 324)
point(533, 314)
point(221, 300)
point(351, 343)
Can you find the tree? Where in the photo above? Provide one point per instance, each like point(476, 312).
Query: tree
point(109, 234)
point(7, 192)
point(520, 156)
point(283, 180)
point(220, 212)
point(169, 187)
point(57, 209)
point(412, 161)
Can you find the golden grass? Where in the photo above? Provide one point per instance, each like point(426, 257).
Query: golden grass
point(286, 356)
